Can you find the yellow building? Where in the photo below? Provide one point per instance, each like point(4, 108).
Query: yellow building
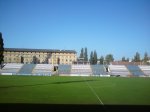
point(50, 56)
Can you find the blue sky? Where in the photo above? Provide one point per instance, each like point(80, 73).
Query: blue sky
point(120, 27)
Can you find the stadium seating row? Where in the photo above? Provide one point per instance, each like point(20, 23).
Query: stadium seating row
point(135, 70)
point(64, 69)
point(75, 70)
point(119, 70)
point(145, 69)
point(26, 69)
point(42, 69)
point(11, 68)
point(81, 70)
point(98, 70)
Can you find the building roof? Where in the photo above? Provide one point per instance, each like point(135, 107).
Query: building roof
point(39, 50)
point(125, 63)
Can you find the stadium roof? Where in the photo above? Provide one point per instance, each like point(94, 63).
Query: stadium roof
point(39, 50)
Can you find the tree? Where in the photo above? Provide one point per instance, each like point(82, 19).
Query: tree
point(101, 60)
point(145, 58)
point(91, 57)
point(85, 55)
point(109, 58)
point(95, 57)
point(1, 50)
point(137, 57)
point(127, 60)
point(123, 59)
point(82, 53)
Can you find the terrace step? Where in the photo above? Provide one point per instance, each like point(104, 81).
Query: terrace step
point(135, 70)
point(64, 69)
point(27, 69)
point(98, 70)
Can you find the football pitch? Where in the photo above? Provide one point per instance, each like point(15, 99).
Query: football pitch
point(74, 90)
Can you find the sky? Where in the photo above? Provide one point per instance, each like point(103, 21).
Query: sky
point(118, 27)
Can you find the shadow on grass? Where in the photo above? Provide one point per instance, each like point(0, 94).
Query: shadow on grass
point(65, 82)
point(43, 84)
point(13, 107)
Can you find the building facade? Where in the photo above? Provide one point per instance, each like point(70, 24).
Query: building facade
point(49, 56)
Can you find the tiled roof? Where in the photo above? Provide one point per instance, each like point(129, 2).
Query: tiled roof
point(39, 50)
point(125, 63)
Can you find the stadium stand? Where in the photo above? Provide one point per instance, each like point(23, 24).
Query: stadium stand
point(26, 69)
point(98, 70)
point(10, 69)
point(145, 69)
point(64, 69)
point(135, 70)
point(119, 70)
point(81, 70)
point(43, 69)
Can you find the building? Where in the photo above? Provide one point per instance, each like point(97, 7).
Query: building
point(50, 56)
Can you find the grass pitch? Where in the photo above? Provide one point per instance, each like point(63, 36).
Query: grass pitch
point(74, 90)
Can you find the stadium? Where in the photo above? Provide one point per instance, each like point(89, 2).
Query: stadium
point(64, 63)
point(74, 84)
point(74, 55)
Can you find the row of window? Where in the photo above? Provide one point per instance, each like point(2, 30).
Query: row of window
point(28, 55)
point(17, 59)
point(42, 57)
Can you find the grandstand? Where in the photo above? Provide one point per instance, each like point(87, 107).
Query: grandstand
point(26, 69)
point(145, 69)
point(75, 70)
point(64, 69)
point(42, 69)
point(81, 70)
point(119, 70)
point(10, 69)
point(98, 70)
point(135, 70)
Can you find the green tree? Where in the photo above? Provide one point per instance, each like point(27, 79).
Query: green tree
point(123, 59)
point(95, 57)
point(1, 50)
point(109, 58)
point(85, 55)
point(91, 57)
point(145, 58)
point(137, 57)
point(127, 60)
point(101, 60)
point(82, 53)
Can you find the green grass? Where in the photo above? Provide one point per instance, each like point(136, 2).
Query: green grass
point(74, 90)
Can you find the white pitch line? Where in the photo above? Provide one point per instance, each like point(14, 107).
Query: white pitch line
point(94, 93)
